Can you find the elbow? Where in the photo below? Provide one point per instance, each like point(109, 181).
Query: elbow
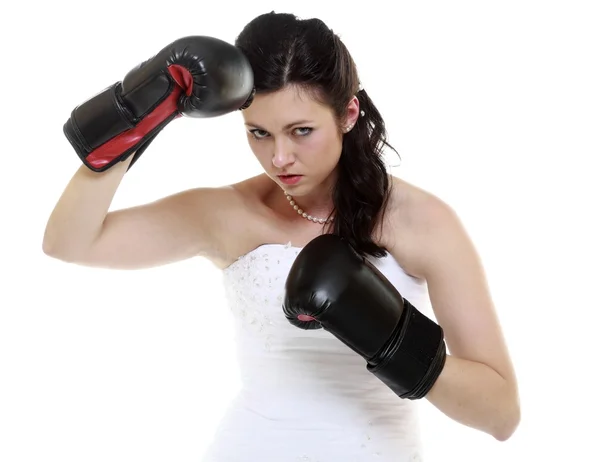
point(49, 248)
point(50, 244)
point(509, 422)
point(52, 253)
point(504, 433)
point(52, 250)
point(57, 252)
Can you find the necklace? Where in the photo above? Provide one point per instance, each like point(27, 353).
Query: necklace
point(303, 213)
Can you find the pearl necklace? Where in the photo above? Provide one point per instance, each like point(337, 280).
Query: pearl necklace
point(303, 213)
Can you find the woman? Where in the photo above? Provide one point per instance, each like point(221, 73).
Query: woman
point(319, 138)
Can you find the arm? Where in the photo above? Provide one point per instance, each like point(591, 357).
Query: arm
point(477, 386)
point(197, 76)
point(77, 217)
point(174, 228)
point(331, 286)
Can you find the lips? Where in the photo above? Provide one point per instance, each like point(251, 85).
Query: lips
point(289, 179)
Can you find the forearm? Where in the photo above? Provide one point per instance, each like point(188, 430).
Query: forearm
point(79, 213)
point(477, 396)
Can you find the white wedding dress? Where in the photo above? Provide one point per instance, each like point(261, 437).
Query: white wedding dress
point(305, 396)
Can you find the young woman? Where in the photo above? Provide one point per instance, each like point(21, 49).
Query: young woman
point(330, 263)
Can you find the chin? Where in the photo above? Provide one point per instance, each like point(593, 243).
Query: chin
point(298, 190)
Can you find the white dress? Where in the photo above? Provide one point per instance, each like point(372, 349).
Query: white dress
point(305, 396)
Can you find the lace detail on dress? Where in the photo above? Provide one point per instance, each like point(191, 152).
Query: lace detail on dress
point(254, 287)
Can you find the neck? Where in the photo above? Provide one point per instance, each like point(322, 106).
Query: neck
point(317, 204)
point(319, 201)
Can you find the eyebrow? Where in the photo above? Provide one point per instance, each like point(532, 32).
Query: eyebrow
point(298, 122)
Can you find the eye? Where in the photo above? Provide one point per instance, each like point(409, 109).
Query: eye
point(304, 131)
point(258, 134)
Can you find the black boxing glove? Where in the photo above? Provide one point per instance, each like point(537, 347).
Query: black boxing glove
point(331, 286)
point(196, 76)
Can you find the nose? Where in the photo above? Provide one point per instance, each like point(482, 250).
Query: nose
point(283, 155)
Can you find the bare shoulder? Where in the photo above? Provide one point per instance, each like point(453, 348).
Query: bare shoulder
point(245, 220)
point(197, 204)
point(418, 225)
point(218, 202)
point(417, 206)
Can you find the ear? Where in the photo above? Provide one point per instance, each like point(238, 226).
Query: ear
point(352, 113)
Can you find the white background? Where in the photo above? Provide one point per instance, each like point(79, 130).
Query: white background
point(494, 106)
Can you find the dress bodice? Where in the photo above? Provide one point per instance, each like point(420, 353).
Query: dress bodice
point(298, 383)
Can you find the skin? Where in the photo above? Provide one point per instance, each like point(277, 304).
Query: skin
point(289, 132)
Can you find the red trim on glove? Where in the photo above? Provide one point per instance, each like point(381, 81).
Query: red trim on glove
point(105, 154)
point(183, 77)
point(305, 317)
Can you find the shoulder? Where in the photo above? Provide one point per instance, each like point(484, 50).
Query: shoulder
point(215, 215)
point(421, 210)
point(242, 219)
point(200, 203)
point(421, 228)
point(219, 200)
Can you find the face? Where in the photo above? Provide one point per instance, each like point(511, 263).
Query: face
point(296, 139)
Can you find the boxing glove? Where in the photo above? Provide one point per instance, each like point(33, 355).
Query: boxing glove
point(195, 76)
point(331, 286)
